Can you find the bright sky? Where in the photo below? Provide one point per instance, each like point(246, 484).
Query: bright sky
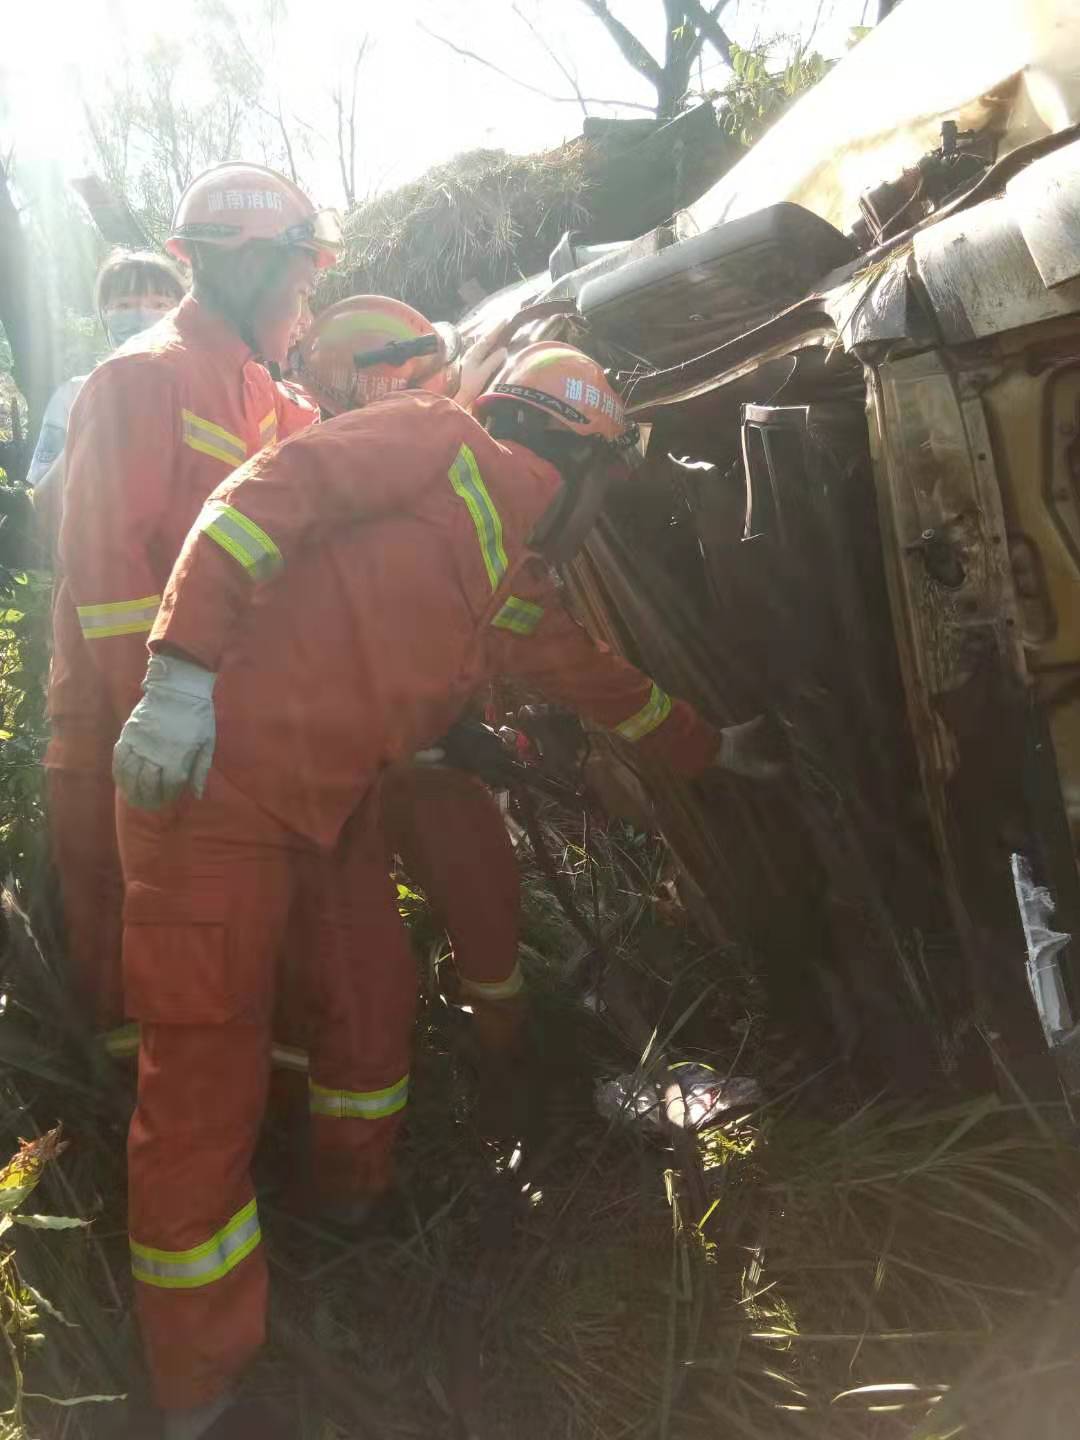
point(421, 103)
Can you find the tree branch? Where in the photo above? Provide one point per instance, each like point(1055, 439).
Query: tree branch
point(570, 77)
point(813, 31)
point(632, 48)
point(361, 51)
point(339, 105)
point(284, 138)
point(709, 27)
point(524, 84)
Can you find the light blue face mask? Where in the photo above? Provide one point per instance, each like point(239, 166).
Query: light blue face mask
point(121, 325)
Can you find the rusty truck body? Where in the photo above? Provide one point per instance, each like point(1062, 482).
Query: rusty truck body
point(856, 362)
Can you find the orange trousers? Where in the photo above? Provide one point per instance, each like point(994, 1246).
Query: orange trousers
point(210, 885)
point(82, 836)
point(453, 842)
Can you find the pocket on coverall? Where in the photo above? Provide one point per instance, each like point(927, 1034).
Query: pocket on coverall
point(179, 967)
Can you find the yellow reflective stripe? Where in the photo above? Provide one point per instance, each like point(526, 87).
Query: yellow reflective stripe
point(122, 1042)
point(268, 428)
point(118, 617)
point(468, 485)
point(188, 1269)
point(360, 1104)
point(496, 989)
point(210, 439)
point(653, 713)
point(216, 452)
point(520, 616)
point(249, 545)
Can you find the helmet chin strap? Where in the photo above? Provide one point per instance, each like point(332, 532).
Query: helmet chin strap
point(574, 456)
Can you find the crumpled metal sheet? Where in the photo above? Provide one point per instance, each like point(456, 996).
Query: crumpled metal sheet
point(1044, 945)
point(1045, 201)
point(980, 276)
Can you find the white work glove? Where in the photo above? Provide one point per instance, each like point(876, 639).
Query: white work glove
point(479, 365)
point(754, 749)
point(168, 740)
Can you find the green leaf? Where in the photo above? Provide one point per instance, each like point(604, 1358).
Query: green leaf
point(50, 1222)
point(76, 1399)
point(47, 1307)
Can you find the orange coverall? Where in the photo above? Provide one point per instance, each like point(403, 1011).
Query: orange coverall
point(452, 838)
point(365, 650)
point(296, 409)
point(153, 431)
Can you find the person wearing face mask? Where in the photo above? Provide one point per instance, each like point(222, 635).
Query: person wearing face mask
point(134, 288)
point(154, 429)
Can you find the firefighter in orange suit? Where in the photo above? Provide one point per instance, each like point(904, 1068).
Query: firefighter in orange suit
point(333, 609)
point(154, 430)
point(441, 822)
point(450, 834)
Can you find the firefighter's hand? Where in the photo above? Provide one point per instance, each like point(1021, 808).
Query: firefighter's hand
point(168, 740)
point(479, 365)
point(756, 749)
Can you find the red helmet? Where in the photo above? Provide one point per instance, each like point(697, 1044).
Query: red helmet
point(369, 345)
point(564, 384)
point(230, 204)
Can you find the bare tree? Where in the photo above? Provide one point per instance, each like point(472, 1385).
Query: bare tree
point(689, 27)
point(345, 110)
point(150, 141)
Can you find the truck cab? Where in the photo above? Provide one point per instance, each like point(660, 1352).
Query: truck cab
point(856, 363)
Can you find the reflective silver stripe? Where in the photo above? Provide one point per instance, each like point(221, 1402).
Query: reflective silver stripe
point(118, 617)
point(249, 545)
point(496, 989)
point(188, 1269)
point(360, 1104)
point(210, 439)
point(520, 616)
point(653, 713)
point(268, 428)
point(289, 1057)
point(122, 1043)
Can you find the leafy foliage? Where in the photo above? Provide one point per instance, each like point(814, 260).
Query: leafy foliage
point(176, 109)
point(21, 1306)
point(24, 662)
point(758, 95)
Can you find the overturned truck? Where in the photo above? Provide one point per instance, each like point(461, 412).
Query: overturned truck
point(856, 364)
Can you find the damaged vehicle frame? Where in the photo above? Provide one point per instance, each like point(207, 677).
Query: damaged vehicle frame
point(860, 510)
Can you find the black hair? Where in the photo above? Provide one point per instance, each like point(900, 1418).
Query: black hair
point(136, 273)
